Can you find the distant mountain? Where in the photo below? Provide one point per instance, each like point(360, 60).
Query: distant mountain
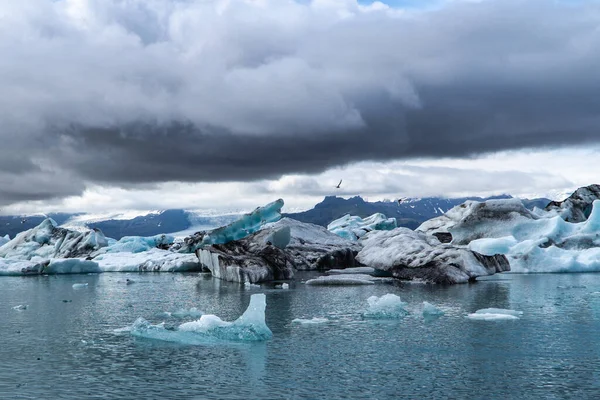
point(12, 225)
point(410, 213)
point(169, 221)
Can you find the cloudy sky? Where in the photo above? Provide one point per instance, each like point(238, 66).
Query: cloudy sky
point(228, 104)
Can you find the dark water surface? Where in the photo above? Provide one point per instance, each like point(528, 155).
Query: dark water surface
point(68, 350)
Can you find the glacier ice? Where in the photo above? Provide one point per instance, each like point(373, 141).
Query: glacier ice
point(495, 314)
point(312, 321)
point(150, 260)
point(77, 286)
point(246, 225)
point(429, 310)
point(388, 306)
point(411, 255)
point(138, 244)
point(4, 240)
point(353, 228)
point(251, 326)
point(564, 237)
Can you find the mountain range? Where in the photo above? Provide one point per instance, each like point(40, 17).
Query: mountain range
point(409, 213)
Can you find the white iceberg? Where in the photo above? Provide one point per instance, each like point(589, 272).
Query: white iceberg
point(429, 310)
point(152, 260)
point(312, 321)
point(564, 237)
point(388, 306)
point(77, 286)
point(251, 326)
point(20, 307)
point(495, 314)
point(244, 226)
point(353, 228)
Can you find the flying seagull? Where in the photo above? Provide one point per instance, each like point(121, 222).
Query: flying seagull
point(338, 185)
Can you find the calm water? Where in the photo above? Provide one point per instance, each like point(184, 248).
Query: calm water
point(68, 350)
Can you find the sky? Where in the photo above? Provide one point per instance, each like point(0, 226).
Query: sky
point(228, 104)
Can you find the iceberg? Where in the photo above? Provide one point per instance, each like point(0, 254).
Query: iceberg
point(153, 260)
point(495, 314)
point(4, 240)
point(77, 286)
point(256, 258)
point(564, 237)
point(388, 306)
point(353, 227)
point(20, 307)
point(429, 310)
point(137, 244)
point(250, 327)
point(49, 241)
point(243, 227)
point(410, 255)
point(312, 321)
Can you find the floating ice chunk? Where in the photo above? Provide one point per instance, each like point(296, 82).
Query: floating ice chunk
point(491, 317)
point(499, 311)
point(251, 285)
point(492, 314)
point(285, 286)
point(388, 306)
point(246, 225)
point(80, 286)
point(341, 280)
point(20, 307)
point(313, 321)
point(353, 227)
point(153, 260)
point(429, 310)
point(250, 326)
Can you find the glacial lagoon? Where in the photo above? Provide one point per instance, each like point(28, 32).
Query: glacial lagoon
point(67, 342)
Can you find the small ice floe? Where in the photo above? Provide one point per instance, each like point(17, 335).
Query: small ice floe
point(20, 307)
point(250, 326)
point(77, 286)
point(388, 306)
point(285, 286)
point(495, 314)
point(429, 310)
point(313, 321)
point(251, 285)
point(341, 280)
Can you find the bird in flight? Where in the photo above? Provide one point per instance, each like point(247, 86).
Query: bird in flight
point(339, 184)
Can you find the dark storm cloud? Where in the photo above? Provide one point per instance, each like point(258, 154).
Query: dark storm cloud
point(217, 91)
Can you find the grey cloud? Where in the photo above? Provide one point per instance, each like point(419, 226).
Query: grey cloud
point(143, 92)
